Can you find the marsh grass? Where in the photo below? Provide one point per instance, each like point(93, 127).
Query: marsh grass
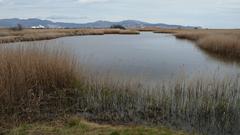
point(8, 36)
point(28, 75)
point(207, 106)
point(39, 83)
point(225, 43)
point(218, 41)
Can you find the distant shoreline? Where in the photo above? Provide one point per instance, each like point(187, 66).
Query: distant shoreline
point(11, 36)
point(223, 42)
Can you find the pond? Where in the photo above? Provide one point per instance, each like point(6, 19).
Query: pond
point(149, 56)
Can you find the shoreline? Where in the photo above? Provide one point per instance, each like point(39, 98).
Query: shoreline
point(11, 36)
point(222, 42)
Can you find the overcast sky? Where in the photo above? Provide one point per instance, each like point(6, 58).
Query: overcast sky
point(206, 13)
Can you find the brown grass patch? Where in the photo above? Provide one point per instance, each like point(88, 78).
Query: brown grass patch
point(218, 41)
point(227, 45)
point(7, 36)
point(28, 75)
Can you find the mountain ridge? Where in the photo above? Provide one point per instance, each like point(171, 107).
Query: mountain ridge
point(33, 22)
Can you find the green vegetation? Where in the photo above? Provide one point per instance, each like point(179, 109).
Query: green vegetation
point(76, 126)
point(117, 27)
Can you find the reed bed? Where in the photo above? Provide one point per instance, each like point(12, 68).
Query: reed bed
point(224, 43)
point(28, 74)
point(38, 83)
point(7, 35)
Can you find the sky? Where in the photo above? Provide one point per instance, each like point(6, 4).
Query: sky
point(205, 13)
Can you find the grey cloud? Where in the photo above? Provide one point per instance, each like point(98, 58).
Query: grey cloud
point(56, 17)
point(92, 1)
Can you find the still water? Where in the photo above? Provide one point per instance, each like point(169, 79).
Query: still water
point(148, 55)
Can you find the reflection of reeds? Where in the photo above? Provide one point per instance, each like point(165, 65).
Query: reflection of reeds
point(37, 83)
point(7, 36)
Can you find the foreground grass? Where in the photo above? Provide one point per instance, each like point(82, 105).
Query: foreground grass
point(8, 35)
point(76, 126)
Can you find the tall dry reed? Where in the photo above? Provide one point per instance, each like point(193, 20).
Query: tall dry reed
point(221, 42)
point(30, 74)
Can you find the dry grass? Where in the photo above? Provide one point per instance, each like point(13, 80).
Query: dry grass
point(226, 45)
point(28, 75)
point(218, 41)
point(222, 42)
point(7, 36)
point(120, 31)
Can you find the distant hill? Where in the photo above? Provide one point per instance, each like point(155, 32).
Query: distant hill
point(33, 22)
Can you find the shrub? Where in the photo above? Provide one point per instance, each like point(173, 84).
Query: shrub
point(19, 27)
point(117, 27)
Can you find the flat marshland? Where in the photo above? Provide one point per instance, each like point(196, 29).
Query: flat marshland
point(42, 84)
point(218, 41)
point(9, 35)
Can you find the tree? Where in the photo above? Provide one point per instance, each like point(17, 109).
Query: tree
point(117, 27)
point(19, 27)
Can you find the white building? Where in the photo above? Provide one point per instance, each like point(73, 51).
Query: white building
point(38, 27)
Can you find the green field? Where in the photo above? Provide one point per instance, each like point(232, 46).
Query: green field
point(77, 126)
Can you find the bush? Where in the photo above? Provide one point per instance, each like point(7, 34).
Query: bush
point(117, 27)
point(19, 27)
